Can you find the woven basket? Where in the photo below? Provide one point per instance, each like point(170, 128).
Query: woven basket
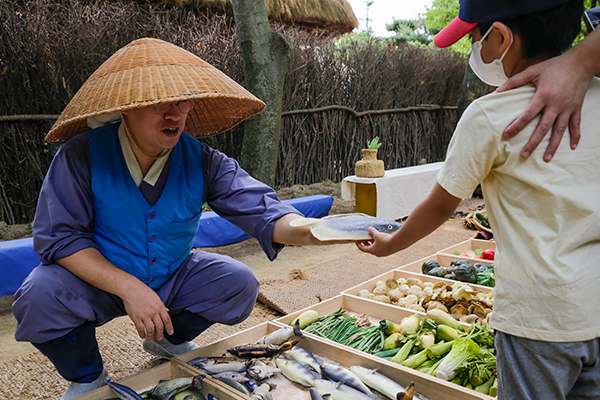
point(148, 72)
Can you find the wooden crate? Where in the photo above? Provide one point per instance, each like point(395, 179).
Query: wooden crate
point(374, 309)
point(467, 245)
point(401, 273)
point(443, 259)
point(146, 380)
point(428, 386)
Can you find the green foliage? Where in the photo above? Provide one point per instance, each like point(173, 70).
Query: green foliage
point(374, 143)
point(347, 44)
point(411, 31)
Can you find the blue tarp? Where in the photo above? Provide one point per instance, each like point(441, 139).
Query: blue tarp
point(17, 257)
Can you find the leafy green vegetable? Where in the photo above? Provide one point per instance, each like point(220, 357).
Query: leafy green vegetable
point(480, 368)
point(462, 349)
point(485, 387)
point(478, 252)
point(416, 360)
point(486, 277)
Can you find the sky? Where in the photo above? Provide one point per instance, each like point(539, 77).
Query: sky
point(383, 12)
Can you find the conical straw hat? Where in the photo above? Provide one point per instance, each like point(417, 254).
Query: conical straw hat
point(148, 72)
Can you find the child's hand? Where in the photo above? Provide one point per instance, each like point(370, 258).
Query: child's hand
point(378, 246)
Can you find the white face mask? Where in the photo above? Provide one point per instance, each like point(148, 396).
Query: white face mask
point(493, 73)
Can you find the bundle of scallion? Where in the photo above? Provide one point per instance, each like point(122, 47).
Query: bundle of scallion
point(348, 330)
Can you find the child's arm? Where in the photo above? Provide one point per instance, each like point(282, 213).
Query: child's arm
point(426, 218)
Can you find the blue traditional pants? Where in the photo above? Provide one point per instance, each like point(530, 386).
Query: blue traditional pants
point(58, 312)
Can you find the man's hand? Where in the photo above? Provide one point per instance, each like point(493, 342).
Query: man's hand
point(561, 83)
point(142, 304)
point(147, 312)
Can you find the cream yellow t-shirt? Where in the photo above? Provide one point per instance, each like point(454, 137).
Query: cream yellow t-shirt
point(545, 216)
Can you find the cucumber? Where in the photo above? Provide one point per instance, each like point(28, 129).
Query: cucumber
point(483, 219)
point(387, 353)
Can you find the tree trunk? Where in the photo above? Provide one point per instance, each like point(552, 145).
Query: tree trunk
point(266, 55)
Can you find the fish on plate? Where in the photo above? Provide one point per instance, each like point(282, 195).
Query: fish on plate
point(346, 226)
point(262, 368)
point(296, 372)
point(339, 374)
point(316, 394)
point(166, 390)
point(124, 392)
point(282, 335)
point(339, 391)
point(304, 357)
point(215, 365)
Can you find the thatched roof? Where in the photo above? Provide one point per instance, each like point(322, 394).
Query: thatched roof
point(333, 16)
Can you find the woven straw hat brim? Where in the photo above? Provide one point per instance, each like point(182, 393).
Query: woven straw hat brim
point(148, 72)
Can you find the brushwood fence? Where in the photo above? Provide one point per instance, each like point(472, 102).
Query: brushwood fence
point(336, 96)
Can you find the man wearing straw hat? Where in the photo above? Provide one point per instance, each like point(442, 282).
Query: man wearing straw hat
point(120, 206)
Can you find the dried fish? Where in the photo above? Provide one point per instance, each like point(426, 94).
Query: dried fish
point(124, 392)
point(256, 350)
point(346, 226)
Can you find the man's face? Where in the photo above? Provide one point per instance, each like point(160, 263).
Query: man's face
point(154, 132)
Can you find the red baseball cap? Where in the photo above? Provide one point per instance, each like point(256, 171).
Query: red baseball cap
point(473, 12)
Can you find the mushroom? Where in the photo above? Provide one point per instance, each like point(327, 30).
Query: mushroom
point(417, 291)
point(458, 311)
point(477, 309)
point(465, 292)
point(469, 319)
point(446, 299)
point(432, 305)
point(428, 291)
point(404, 289)
point(395, 295)
point(382, 298)
point(416, 307)
point(391, 283)
point(481, 297)
point(381, 289)
point(415, 281)
point(411, 299)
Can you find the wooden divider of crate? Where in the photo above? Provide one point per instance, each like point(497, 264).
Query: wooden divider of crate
point(428, 386)
point(146, 380)
point(467, 245)
point(443, 259)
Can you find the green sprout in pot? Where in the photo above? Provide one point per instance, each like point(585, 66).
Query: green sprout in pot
point(373, 144)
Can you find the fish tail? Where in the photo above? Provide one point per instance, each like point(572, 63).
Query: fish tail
point(297, 330)
point(197, 381)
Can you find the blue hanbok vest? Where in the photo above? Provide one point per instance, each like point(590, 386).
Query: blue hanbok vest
point(149, 242)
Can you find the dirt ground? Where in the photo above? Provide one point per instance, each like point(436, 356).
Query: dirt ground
point(291, 259)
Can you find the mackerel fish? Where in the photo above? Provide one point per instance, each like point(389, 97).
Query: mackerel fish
point(346, 226)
